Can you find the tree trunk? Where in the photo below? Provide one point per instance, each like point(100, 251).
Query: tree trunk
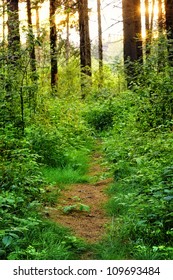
point(31, 42)
point(161, 42)
point(3, 22)
point(53, 45)
point(169, 27)
point(67, 37)
point(137, 30)
point(132, 29)
point(14, 94)
point(147, 20)
point(85, 48)
point(132, 34)
point(160, 16)
point(152, 15)
point(100, 45)
point(13, 30)
point(37, 20)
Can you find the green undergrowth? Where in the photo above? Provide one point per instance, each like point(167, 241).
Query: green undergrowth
point(53, 148)
point(63, 176)
point(141, 197)
point(44, 240)
point(58, 141)
point(74, 172)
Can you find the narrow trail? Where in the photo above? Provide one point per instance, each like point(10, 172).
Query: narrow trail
point(89, 226)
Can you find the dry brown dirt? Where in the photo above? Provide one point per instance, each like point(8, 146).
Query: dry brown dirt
point(89, 226)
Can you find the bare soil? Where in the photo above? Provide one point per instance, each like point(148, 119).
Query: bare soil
point(89, 226)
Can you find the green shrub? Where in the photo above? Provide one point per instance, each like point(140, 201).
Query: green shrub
point(19, 170)
point(142, 193)
point(49, 145)
point(21, 186)
point(100, 116)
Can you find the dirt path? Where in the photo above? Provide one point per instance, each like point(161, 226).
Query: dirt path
point(87, 225)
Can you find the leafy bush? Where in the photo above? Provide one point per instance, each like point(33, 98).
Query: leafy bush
point(62, 133)
point(50, 146)
point(19, 169)
point(21, 185)
point(141, 195)
point(100, 115)
point(154, 89)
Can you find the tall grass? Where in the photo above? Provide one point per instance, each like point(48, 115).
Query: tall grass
point(48, 241)
point(65, 175)
point(73, 172)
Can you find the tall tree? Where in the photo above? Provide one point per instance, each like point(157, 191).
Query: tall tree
point(132, 30)
point(100, 44)
point(13, 29)
point(31, 41)
point(132, 35)
point(53, 44)
point(161, 42)
point(67, 34)
point(85, 46)
point(3, 21)
point(147, 19)
point(138, 29)
point(169, 27)
point(70, 8)
point(14, 95)
point(160, 16)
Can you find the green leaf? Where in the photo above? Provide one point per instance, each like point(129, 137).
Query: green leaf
point(84, 207)
point(168, 198)
point(7, 240)
point(68, 209)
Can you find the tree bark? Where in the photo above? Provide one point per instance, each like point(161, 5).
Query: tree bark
point(31, 42)
point(138, 29)
point(160, 16)
point(53, 45)
point(3, 21)
point(67, 36)
point(132, 29)
point(13, 30)
point(169, 27)
point(85, 48)
point(100, 45)
point(132, 37)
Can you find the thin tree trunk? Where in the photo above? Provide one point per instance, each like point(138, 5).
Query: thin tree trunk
point(14, 94)
point(38, 30)
point(100, 45)
point(31, 42)
point(147, 20)
point(138, 30)
point(152, 16)
point(13, 30)
point(37, 20)
point(68, 37)
point(147, 28)
point(53, 45)
point(160, 16)
point(85, 48)
point(3, 21)
point(161, 43)
point(169, 27)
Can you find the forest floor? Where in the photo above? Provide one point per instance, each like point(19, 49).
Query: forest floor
point(88, 225)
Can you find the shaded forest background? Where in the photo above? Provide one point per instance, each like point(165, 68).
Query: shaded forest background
point(57, 98)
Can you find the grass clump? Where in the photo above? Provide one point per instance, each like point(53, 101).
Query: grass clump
point(73, 172)
point(63, 175)
point(47, 241)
